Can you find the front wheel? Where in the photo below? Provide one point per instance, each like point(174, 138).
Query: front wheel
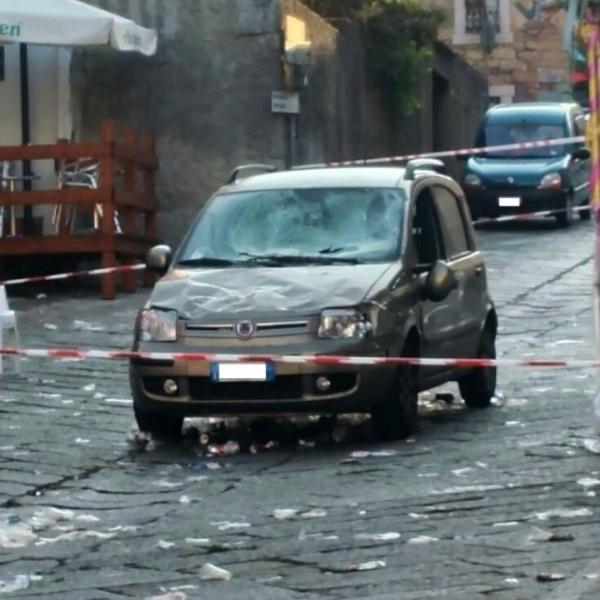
point(565, 218)
point(396, 416)
point(479, 386)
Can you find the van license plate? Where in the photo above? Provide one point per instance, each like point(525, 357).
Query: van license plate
point(509, 201)
point(254, 371)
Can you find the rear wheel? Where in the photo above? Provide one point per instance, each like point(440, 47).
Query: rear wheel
point(479, 386)
point(396, 416)
point(566, 216)
point(160, 425)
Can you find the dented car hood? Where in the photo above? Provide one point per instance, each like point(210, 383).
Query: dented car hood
point(205, 293)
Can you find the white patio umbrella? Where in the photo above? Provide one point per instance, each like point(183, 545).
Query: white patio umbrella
point(68, 23)
point(71, 23)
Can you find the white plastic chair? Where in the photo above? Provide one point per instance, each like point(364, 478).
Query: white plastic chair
point(8, 324)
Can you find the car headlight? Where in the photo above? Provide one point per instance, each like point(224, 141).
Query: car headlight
point(472, 180)
point(342, 324)
point(158, 325)
point(552, 180)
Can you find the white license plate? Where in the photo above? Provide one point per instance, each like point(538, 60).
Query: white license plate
point(509, 201)
point(240, 372)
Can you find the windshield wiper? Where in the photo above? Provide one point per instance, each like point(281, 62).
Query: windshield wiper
point(336, 249)
point(206, 261)
point(291, 259)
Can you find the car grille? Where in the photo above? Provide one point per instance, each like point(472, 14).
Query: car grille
point(502, 185)
point(264, 329)
point(509, 188)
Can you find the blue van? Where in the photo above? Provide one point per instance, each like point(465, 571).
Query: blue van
point(532, 179)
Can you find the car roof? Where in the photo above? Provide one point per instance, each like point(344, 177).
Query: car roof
point(345, 177)
point(532, 108)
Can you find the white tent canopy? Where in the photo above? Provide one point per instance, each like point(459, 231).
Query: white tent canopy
point(71, 23)
point(68, 23)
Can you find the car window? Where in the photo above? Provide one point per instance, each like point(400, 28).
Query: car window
point(502, 131)
point(355, 223)
point(452, 223)
point(426, 230)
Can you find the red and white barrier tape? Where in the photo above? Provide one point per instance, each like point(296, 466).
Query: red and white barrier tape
point(311, 359)
point(530, 215)
point(61, 276)
point(445, 153)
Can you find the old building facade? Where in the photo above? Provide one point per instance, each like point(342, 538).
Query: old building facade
point(522, 46)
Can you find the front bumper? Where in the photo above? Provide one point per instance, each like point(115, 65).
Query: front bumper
point(293, 389)
point(485, 202)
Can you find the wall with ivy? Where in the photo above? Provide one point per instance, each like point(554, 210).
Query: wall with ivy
point(350, 110)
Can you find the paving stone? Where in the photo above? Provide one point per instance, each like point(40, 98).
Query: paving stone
point(468, 495)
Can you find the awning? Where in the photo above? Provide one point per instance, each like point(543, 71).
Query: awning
point(68, 23)
point(71, 23)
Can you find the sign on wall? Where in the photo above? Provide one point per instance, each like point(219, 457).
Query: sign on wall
point(287, 103)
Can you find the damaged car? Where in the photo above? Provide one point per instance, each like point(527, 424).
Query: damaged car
point(366, 262)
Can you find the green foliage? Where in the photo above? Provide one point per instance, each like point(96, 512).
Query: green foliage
point(398, 34)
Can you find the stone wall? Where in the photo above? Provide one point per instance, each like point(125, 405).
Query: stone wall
point(534, 62)
point(453, 100)
point(459, 98)
point(206, 95)
point(344, 114)
point(333, 121)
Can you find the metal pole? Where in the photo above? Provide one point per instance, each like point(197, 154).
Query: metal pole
point(292, 134)
point(590, 33)
point(25, 132)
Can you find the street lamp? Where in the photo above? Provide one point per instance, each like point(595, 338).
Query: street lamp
point(297, 60)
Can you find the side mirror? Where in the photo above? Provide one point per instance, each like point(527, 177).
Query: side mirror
point(423, 164)
point(581, 153)
point(440, 281)
point(158, 259)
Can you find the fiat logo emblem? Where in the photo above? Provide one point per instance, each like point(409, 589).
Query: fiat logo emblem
point(245, 329)
point(511, 180)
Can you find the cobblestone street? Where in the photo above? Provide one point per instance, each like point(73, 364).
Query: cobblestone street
point(478, 504)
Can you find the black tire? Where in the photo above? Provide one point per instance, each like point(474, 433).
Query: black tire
point(479, 386)
point(566, 217)
point(396, 416)
point(585, 214)
point(160, 425)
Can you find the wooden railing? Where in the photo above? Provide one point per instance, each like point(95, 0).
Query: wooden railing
point(125, 201)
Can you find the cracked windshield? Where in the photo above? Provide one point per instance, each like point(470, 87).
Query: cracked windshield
point(324, 225)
